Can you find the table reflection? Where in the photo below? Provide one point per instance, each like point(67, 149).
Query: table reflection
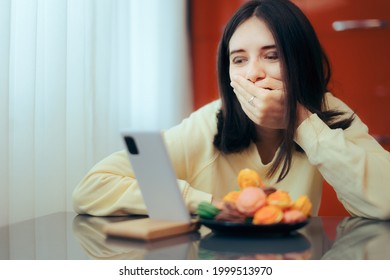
point(199, 245)
point(89, 232)
point(361, 239)
point(66, 236)
point(292, 246)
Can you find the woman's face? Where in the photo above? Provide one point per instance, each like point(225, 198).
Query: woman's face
point(253, 54)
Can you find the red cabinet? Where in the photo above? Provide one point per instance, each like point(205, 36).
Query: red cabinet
point(208, 19)
point(356, 36)
point(354, 33)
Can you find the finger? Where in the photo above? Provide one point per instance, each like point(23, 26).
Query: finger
point(249, 110)
point(269, 83)
point(243, 99)
point(246, 98)
point(245, 87)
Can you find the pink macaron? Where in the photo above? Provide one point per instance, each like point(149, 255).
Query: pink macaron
point(250, 200)
point(293, 216)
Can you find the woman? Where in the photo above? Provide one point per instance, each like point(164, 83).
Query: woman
point(275, 116)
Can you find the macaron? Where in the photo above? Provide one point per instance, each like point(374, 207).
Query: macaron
point(280, 199)
point(250, 200)
point(231, 196)
point(269, 190)
point(207, 210)
point(293, 216)
point(268, 214)
point(230, 213)
point(303, 204)
point(249, 178)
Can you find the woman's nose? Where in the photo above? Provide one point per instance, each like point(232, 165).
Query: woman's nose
point(255, 72)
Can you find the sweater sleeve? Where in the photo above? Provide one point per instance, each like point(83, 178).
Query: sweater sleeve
point(110, 187)
point(351, 161)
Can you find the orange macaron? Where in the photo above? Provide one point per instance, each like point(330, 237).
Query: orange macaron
point(280, 199)
point(231, 196)
point(303, 204)
point(268, 214)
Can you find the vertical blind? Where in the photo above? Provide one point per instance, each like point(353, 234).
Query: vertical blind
point(73, 73)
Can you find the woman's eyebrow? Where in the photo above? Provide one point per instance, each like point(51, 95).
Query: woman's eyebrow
point(267, 47)
point(236, 51)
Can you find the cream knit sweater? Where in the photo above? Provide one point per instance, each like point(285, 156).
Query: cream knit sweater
point(350, 160)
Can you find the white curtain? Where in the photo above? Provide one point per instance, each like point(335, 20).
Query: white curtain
point(73, 73)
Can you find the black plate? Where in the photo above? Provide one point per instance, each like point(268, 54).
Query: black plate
point(230, 228)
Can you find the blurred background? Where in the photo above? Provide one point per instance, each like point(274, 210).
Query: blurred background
point(73, 73)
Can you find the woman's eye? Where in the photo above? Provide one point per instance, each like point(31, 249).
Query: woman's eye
point(272, 56)
point(238, 60)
